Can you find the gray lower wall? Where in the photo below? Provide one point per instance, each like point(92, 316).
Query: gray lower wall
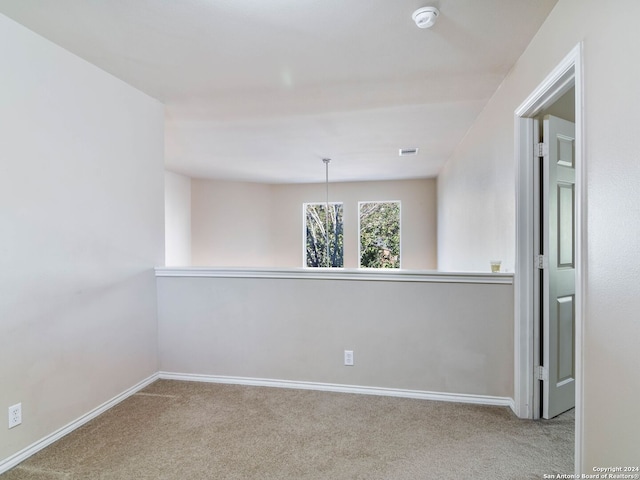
point(436, 337)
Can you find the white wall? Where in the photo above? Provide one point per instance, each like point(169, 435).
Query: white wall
point(418, 218)
point(477, 195)
point(230, 223)
point(81, 196)
point(476, 206)
point(177, 219)
point(438, 337)
point(251, 224)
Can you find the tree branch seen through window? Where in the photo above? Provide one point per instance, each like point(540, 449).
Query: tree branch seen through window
point(380, 234)
point(316, 236)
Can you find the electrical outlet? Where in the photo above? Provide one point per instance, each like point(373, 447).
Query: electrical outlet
point(348, 357)
point(15, 415)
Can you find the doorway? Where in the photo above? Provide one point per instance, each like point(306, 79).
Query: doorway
point(566, 77)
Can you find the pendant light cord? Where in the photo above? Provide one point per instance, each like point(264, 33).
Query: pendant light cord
point(326, 215)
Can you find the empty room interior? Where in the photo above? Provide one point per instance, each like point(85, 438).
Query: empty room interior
point(337, 239)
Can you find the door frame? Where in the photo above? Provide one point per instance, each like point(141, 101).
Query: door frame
point(566, 74)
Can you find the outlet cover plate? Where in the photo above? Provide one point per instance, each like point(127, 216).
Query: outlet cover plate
point(15, 415)
point(348, 358)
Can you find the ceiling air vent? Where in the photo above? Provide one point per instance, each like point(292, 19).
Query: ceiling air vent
point(405, 152)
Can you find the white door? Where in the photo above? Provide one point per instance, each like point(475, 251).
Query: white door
point(558, 245)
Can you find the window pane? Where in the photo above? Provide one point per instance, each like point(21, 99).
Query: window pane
point(316, 237)
point(380, 235)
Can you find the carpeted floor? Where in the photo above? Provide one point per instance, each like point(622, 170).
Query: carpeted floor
point(184, 430)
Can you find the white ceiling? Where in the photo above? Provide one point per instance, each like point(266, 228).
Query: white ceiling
point(262, 90)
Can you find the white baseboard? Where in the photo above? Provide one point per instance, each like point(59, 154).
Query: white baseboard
point(25, 453)
point(332, 387)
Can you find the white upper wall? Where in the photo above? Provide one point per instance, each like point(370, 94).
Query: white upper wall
point(477, 205)
point(81, 202)
point(230, 223)
point(259, 225)
point(177, 219)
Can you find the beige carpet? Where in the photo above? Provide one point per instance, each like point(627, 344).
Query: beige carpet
point(184, 430)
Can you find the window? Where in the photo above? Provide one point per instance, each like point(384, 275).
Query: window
point(315, 237)
point(379, 225)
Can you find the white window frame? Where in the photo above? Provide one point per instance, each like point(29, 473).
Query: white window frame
point(359, 226)
point(304, 233)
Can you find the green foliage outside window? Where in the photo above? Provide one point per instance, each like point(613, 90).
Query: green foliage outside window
point(316, 236)
point(380, 235)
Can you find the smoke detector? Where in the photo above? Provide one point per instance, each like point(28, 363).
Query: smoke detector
point(425, 17)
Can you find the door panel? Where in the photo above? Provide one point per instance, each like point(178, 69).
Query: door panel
point(566, 330)
point(566, 231)
point(558, 240)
